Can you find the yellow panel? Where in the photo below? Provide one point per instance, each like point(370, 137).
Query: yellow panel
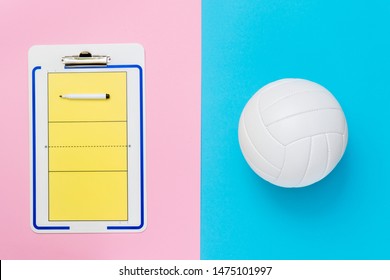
point(88, 196)
point(112, 109)
point(87, 146)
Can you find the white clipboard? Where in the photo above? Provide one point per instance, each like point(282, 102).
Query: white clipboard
point(87, 135)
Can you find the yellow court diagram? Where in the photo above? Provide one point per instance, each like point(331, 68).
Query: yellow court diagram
point(87, 147)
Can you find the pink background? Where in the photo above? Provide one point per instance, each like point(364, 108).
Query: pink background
point(170, 33)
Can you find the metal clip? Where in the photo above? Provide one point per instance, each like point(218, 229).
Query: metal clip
point(85, 58)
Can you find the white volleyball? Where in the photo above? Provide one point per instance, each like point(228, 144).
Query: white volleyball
point(293, 132)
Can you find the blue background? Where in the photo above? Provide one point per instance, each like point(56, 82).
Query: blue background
point(343, 45)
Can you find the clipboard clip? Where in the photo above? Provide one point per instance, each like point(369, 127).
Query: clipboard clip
point(85, 58)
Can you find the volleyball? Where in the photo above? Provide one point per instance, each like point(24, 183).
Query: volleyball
point(293, 132)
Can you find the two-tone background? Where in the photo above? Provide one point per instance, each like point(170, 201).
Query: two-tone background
point(204, 60)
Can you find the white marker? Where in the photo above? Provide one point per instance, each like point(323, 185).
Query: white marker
point(86, 96)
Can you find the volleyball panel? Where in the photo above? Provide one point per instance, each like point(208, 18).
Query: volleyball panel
point(295, 165)
point(260, 137)
point(302, 102)
point(308, 124)
point(335, 150)
point(318, 160)
point(256, 161)
point(283, 88)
